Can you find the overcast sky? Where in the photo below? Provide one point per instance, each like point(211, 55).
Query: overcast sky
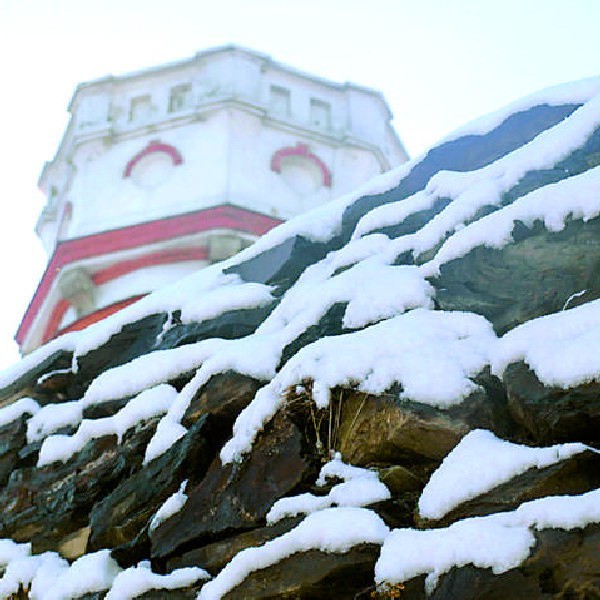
point(439, 63)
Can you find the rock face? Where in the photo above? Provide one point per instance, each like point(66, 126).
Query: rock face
point(229, 462)
point(228, 499)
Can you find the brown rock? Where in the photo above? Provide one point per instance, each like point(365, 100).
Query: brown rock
point(399, 480)
point(380, 429)
point(237, 496)
point(552, 414)
point(188, 593)
point(215, 556)
point(74, 545)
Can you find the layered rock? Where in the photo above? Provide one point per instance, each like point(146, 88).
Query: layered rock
point(440, 332)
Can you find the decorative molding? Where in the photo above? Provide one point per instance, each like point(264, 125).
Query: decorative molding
point(152, 147)
point(76, 286)
point(303, 151)
point(228, 217)
point(119, 269)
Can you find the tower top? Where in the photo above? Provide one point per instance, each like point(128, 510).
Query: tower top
point(183, 164)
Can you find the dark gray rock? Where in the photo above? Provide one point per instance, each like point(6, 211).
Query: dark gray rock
point(531, 277)
point(282, 264)
point(26, 384)
point(44, 505)
point(213, 557)
point(229, 325)
point(466, 153)
point(12, 439)
point(224, 396)
point(133, 340)
point(120, 520)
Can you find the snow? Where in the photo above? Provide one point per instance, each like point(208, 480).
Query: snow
point(329, 530)
point(52, 417)
point(573, 296)
point(360, 487)
point(222, 299)
point(472, 190)
point(563, 349)
point(486, 542)
point(90, 573)
point(21, 407)
point(551, 204)
point(575, 92)
point(500, 541)
point(50, 577)
point(480, 462)
point(432, 354)
point(255, 356)
point(201, 295)
point(173, 504)
point(338, 469)
point(385, 291)
point(32, 360)
point(148, 370)
point(39, 572)
point(10, 551)
point(135, 581)
point(168, 431)
point(393, 213)
point(373, 290)
point(150, 403)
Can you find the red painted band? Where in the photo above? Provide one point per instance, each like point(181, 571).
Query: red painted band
point(135, 236)
point(172, 255)
point(98, 315)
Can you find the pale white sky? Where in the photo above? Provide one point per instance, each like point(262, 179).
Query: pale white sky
point(439, 63)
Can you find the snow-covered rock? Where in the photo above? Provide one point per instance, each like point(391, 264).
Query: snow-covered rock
point(440, 323)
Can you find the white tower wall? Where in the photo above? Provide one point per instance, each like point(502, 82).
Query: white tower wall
point(162, 171)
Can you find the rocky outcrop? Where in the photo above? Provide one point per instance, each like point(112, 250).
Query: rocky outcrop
point(484, 258)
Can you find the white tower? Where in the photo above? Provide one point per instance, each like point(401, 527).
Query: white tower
point(163, 171)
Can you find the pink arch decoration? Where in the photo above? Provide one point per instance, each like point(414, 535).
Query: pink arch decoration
point(302, 150)
point(151, 148)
